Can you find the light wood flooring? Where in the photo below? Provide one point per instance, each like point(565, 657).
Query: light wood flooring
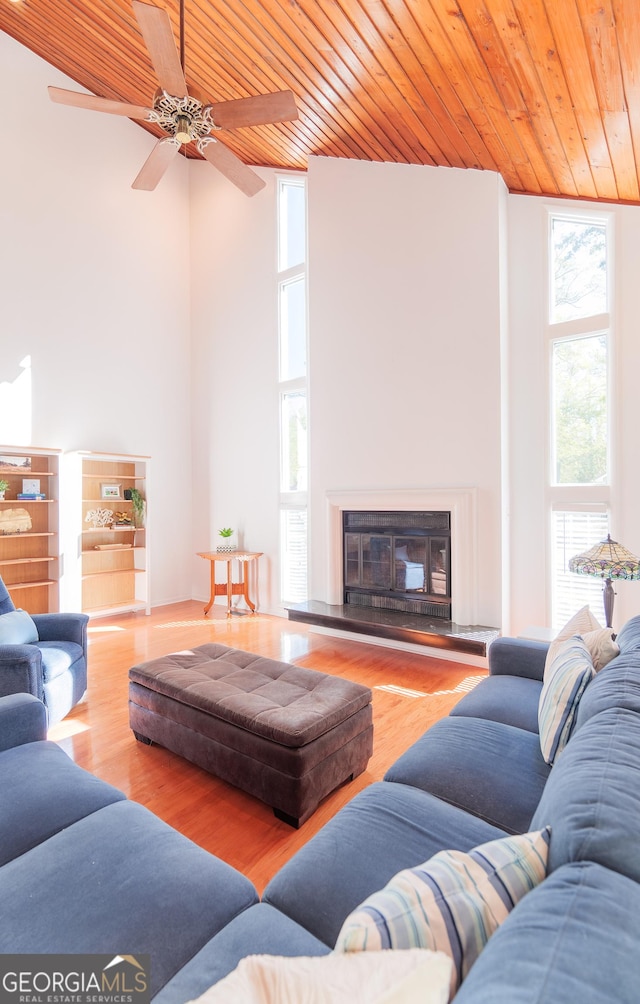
point(410, 692)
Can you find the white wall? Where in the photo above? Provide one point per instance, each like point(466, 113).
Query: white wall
point(94, 287)
point(405, 329)
point(235, 446)
point(529, 395)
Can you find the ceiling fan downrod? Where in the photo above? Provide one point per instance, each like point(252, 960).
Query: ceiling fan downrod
point(182, 34)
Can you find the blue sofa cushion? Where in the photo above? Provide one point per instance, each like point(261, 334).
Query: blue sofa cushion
point(58, 657)
point(492, 770)
point(23, 719)
point(592, 799)
point(6, 603)
point(59, 793)
point(134, 883)
point(512, 700)
point(17, 627)
point(260, 930)
point(565, 680)
point(568, 942)
point(452, 903)
point(517, 657)
point(615, 686)
point(385, 828)
point(628, 638)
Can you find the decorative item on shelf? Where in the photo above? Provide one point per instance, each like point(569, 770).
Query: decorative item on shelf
point(110, 491)
point(31, 490)
point(139, 507)
point(607, 560)
point(228, 539)
point(3, 487)
point(15, 521)
point(99, 518)
point(15, 465)
point(121, 519)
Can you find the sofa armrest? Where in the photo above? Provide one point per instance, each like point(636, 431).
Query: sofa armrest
point(20, 670)
point(23, 719)
point(517, 657)
point(62, 627)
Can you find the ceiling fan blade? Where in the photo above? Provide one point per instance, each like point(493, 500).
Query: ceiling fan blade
point(260, 110)
point(95, 104)
point(157, 32)
point(156, 163)
point(231, 166)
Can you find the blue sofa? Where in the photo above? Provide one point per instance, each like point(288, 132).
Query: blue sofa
point(48, 661)
point(474, 776)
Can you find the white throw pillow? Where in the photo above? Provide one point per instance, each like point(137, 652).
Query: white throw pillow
point(416, 976)
point(602, 647)
point(581, 623)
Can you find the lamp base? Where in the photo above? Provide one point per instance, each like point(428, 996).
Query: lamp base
point(608, 597)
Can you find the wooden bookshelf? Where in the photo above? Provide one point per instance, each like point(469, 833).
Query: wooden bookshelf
point(29, 556)
point(113, 567)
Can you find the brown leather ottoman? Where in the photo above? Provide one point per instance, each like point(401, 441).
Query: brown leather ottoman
point(285, 734)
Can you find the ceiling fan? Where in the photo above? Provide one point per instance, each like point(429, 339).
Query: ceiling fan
point(182, 116)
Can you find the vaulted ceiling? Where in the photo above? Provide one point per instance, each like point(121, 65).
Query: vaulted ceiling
point(547, 92)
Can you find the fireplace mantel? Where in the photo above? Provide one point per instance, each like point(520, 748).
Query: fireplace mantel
point(460, 502)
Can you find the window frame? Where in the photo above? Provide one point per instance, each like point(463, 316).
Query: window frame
point(577, 498)
point(290, 500)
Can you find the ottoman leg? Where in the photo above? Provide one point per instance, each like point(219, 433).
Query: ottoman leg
point(143, 739)
point(286, 818)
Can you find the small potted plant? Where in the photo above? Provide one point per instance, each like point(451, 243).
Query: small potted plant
point(3, 487)
point(228, 542)
point(138, 506)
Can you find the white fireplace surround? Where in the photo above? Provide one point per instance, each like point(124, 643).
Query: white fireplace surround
point(460, 502)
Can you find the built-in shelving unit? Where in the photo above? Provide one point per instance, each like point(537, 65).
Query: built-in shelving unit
point(29, 528)
point(112, 560)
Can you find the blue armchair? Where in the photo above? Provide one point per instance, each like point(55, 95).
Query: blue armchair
point(44, 655)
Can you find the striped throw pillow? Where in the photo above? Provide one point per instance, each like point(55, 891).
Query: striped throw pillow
point(564, 683)
point(453, 903)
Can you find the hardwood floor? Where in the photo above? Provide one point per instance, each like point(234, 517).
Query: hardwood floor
point(410, 692)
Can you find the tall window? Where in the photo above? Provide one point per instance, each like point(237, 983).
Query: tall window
point(579, 331)
point(292, 332)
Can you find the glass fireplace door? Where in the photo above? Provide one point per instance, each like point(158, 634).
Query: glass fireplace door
point(410, 564)
point(368, 560)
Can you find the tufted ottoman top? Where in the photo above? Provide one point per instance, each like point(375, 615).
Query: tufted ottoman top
point(287, 704)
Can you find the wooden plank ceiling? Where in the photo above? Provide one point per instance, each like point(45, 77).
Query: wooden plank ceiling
point(547, 92)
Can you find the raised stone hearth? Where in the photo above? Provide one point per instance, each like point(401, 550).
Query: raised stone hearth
point(397, 626)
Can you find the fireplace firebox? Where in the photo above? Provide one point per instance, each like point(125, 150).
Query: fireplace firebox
point(398, 561)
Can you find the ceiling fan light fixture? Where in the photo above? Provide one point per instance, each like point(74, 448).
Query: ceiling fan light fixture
point(183, 118)
point(183, 129)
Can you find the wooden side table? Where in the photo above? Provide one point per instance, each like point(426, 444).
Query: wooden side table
point(230, 588)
